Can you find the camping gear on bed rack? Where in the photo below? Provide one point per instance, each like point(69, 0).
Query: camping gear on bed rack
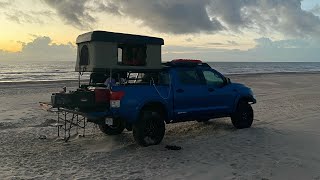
point(107, 55)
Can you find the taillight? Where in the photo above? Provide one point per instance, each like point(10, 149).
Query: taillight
point(115, 98)
point(116, 95)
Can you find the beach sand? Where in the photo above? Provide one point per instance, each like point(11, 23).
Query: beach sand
point(283, 143)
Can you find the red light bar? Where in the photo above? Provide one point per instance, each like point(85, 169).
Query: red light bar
point(186, 60)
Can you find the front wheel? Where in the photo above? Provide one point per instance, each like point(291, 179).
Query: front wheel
point(243, 116)
point(114, 129)
point(150, 128)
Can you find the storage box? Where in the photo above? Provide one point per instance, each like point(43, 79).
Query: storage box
point(61, 100)
point(75, 99)
point(83, 99)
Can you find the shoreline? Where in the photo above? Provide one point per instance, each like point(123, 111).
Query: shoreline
point(272, 73)
point(38, 82)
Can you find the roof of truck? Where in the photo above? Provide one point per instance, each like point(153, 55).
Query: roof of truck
point(104, 36)
point(186, 63)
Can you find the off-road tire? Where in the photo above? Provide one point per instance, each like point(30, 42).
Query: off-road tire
point(150, 128)
point(115, 129)
point(243, 116)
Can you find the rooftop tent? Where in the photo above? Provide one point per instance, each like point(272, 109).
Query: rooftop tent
point(99, 51)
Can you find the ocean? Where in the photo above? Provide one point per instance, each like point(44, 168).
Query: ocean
point(59, 71)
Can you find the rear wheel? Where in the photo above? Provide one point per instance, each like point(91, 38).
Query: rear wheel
point(150, 128)
point(115, 129)
point(243, 116)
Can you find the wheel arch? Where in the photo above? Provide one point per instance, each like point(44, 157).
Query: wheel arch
point(248, 98)
point(158, 106)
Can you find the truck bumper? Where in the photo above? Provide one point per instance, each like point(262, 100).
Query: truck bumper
point(99, 117)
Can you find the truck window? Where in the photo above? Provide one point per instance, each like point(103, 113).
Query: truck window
point(119, 55)
point(148, 78)
point(84, 56)
point(132, 55)
point(142, 78)
point(212, 78)
point(164, 78)
point(189, 77)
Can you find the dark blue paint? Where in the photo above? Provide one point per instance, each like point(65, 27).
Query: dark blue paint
point(193, 102)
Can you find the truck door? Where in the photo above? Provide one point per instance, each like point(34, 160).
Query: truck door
point(190, 93)
point(220, 94)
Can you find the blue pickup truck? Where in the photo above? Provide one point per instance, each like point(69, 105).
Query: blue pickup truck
point(183, 90)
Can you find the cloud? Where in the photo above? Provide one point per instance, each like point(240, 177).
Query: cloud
point(264, 16)
point(189, 39)
point(189, 16)
point(295, 50)
point(316, 9)
point(291, 43)
point(34, 17)
point(172, 16)
point(104, 6)
point(74, 12)
point(233, 43)
point(177, 17)
point(41, 49)
point(164, 16)
point(12, 11)
point(5, 4)
point(224, 44)
point(229, 12)
point(216, 44)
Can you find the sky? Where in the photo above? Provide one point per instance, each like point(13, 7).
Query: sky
point(211, 30)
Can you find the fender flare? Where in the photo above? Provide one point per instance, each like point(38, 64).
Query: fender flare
point(249, 98)
point(156, 103)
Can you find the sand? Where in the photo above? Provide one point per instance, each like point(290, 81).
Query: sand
point(283, 143)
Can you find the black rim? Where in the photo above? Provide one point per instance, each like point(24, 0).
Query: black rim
point(152, 129)
point(246, 114)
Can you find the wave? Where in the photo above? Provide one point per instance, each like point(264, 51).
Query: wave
point(37, 72)
point(65, 72)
